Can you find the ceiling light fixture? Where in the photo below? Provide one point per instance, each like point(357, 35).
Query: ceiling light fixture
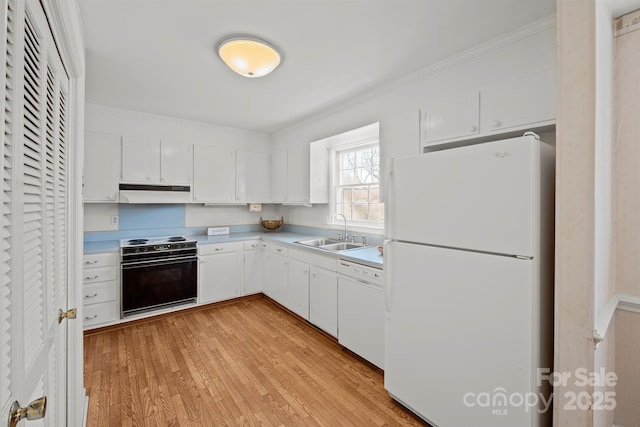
point(249, 56)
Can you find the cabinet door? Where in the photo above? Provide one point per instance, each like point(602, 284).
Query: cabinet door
point(519, 104)
point(278, 272)
point(298, 174)
point(279, 176)
point(298, 292)
point(175, 163)
point(140, 160)
point(213, 175)
point(221, 276)
point(253, 271)
point(253, 176)
point(101, 167)
point(453, 117)
point(323, 299)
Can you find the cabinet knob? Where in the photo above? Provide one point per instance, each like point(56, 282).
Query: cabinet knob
point(111, 197)
point(149, 178)
point(494, 124)
point(473, 128)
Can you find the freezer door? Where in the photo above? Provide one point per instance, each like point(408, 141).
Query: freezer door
point(459, 324)
point(480, 197)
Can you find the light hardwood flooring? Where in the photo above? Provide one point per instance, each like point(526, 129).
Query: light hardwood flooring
point(245, 363)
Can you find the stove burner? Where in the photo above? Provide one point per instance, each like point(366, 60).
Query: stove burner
point(137, 241)
point(176, 239)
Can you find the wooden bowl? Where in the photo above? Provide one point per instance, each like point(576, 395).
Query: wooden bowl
point(271, 224)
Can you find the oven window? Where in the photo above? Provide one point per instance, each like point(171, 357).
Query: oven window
point(157, 285)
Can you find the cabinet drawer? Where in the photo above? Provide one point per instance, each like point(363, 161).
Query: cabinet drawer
point(102, 292)
point(279, 250)
point(220, 248)
point(253, 245)
point(327, 262)
point(100, 313)
point(100, 260)
point(100, 274)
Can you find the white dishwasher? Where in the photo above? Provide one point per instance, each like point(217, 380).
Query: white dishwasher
point(361, 310)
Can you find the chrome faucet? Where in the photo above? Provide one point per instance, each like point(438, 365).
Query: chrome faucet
point(346, 236)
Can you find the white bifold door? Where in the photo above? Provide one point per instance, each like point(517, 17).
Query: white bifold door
point(459, 328)
point(33, 218)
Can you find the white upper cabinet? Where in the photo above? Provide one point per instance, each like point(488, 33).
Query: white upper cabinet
point(298, 174)
point(175, 163)
point(279, 176)
point(453, 117)
point(529, 101)
point(520, 105)
point(149, 161)
point(294, 181)
point(253, 177)
point(214, 175)
point(140, 160)
point(101, 167)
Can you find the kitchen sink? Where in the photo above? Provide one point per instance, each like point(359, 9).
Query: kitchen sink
point(317, 242)
point(341, 246)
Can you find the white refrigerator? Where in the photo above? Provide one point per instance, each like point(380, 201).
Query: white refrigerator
point(469, 283)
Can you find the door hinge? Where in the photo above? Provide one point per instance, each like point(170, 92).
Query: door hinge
point(71, 314)
point(34, 411)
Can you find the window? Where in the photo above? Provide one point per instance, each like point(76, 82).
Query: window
point(356, 185)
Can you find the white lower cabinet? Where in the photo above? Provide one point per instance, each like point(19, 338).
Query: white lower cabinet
point(100, 289)
point(323, 299)
point(221, 274)
point(298, 287)
point(254, 267)
point(278, 274)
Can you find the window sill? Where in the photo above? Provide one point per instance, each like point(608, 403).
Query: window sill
point(368, 229)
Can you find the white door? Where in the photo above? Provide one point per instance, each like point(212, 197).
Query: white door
point(214, 175)
point(140, 160)
point(298, 288)
point(458, 322)
point(33, 222)
point(175, 163)
point(323, 299)
point(101, 167)
point(479, 197)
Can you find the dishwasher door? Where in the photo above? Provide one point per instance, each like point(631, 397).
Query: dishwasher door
point(361, 319)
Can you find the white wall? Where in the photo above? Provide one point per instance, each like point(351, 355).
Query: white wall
point(106, 119)
point(397, 106)
point(627, 223)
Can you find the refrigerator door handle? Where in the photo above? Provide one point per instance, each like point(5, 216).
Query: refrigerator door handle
point(387, 199)
point(388, 292)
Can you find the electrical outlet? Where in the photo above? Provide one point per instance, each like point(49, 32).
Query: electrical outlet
point(114, 220)
point(290, 216)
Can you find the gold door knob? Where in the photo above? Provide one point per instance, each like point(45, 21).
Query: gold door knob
point(71, 314)
point(34, 411)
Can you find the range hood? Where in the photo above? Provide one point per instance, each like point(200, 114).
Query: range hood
point(142, 193)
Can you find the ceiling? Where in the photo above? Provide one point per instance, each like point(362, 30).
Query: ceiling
point(158, 56)
point(622, 7)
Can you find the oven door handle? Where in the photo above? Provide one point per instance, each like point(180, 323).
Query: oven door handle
point(156, 262)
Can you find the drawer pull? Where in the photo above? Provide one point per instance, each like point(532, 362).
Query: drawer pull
point(219, 249)
point(91, 278)
point(90, 317)
point(255, 246)
point(95, 261)
point(91, 296)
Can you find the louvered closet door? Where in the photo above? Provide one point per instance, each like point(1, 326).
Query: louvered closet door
point(33, 242)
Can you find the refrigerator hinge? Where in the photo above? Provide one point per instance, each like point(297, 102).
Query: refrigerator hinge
point(523, 257)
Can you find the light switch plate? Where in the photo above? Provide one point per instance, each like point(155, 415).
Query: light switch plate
point(217, 231)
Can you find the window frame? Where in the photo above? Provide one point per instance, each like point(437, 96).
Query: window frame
point(335, 152)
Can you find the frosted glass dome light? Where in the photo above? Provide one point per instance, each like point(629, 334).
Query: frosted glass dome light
point(249, 56)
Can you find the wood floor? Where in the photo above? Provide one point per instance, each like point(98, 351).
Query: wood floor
point(246, 363)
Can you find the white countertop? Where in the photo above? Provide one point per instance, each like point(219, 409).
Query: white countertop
point(369, 256)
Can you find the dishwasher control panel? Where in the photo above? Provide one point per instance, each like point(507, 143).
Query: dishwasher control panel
point(361, 272)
